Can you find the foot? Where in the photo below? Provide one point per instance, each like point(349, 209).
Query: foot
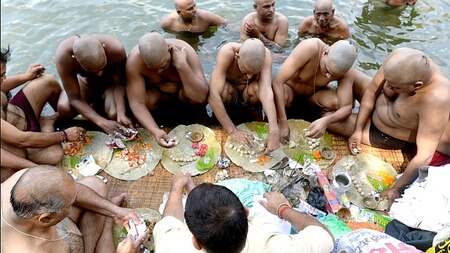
point(118, 199)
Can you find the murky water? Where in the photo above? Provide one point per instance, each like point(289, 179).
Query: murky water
point(34, 28)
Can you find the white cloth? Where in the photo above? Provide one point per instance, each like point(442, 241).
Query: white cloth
point(172, 235)
point(266, 220)
point(426, 203)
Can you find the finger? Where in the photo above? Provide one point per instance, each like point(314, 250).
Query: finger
point(263, 203)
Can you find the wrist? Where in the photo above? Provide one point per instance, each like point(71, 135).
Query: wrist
point(65, 137)
point(282, 208)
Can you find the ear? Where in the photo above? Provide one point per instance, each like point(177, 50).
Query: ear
point(417, 85)
point(332, 12)
point(247, 211)
point(254, 6)
point(196, 243)
point(46, 218)
point(179, 12)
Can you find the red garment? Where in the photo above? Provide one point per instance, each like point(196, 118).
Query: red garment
point(440, 159)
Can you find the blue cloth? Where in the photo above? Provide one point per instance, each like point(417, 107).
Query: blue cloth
point(245, 189)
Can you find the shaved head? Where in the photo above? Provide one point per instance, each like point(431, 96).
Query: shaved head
point(90, 53)
point(153, 48)
point(40, 189)
point(407, 66)
point(252, 54)
point(342, 55)
point(180, 3)
point(324, 5)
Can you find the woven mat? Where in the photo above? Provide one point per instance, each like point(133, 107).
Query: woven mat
point(148, 191)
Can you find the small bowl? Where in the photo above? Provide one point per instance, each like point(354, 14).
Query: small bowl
point(195, 136)
point(327, 153)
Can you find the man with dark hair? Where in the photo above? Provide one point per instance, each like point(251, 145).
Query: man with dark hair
point(241, 78)
point(44, 210)
point(265, 24)
point(189, 19)
point(216, 221)
point(27, 138)
point(324, 23)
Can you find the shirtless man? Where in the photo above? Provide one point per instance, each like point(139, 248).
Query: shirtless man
point(28, 139)
point(92, 66)
point(188, 18)
point(306, 73)
point(324, 24)
point(44, 210)
point(243, 74)
point(407, 102)
point(163, 71)
point(265, 24)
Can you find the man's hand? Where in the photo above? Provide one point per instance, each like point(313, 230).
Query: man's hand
point(273, 141)
point(390, 195)
point(125, 121)
point(34, 71)
point(179, 57)
point(274, 199)
point(316, 128)
point(284, 133)
point(74, 133)
point(130, 246)
point(123, 216)
point(251, 29)
point(243, 137)
point(112, 127)
point(164, 140)
point(354, 142)
point(181, 181)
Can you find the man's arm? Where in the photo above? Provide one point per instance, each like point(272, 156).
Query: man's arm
point(13, 136)
point(174, 205)
point(305, 26)
point(213, 19)
point(136, 93)
point(217, 84)
point(118, 79)
point(267, 100)
point(12, 161)
point(187, 62)
point(11, 82)
point(90, 200)
point(167, 22)
point(282, 30)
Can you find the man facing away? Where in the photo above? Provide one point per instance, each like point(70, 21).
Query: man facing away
point(44, 210)
point(242, 77)
point(215, 220)
point(407, 102)
point(324, 23)
point(27, 138)
point(265, 24)
point(188, 18)
point(305, 76)
point(92, 68)
point(163, 71)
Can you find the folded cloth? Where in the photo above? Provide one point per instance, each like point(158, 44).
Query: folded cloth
point(245, 189)
point(258, 215)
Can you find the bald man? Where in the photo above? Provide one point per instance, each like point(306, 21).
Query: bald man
point(92, 68)
point(242, 76)
point(44, 210)
point(163, 71)
point(265, 24)
point(188, 19)
point(305, 75)
point(324, 24)
point(407, 102)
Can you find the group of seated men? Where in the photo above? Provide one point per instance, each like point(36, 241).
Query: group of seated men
point(405, 104)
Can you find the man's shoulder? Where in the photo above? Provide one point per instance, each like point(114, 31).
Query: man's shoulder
point(169, 20)
point(306, 24)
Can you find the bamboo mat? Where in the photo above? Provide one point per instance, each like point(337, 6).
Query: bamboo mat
point(148, 191)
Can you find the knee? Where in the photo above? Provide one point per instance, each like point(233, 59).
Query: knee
point(64, 110)
point(51, 83)
point(56, 157)
point(96, 184)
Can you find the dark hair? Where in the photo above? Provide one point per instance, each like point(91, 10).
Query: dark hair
point(217, 218)
point(29, 205)
point(6, 55)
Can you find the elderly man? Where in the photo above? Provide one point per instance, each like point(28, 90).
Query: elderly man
point(92, 70)
point(324, 24)
point(305, 75)
point(189, 19)
point(163, 71)
point(45, 210)
point(407, 102)
point(265, 24)
point(216, 221)
point(242, 76)
point(27, 138)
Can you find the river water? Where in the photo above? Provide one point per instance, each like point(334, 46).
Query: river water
point(34, 28)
